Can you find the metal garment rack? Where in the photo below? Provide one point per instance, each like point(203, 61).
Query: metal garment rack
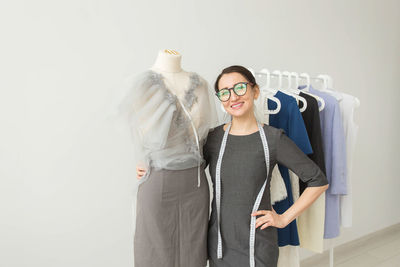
point(286, 75)
point(326, 79)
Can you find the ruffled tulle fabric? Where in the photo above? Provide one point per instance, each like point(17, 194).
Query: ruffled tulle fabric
point(162, 133)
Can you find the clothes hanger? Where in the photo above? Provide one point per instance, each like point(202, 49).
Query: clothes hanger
point(308, 81)
point(279, 74)
point(357, 102)
point(296, 79)
point(325, 80)
point(321, 101)
point(289, 79)
point(330, 81)
point(269, 93)
point(294, 92)
point(328, 87)
point(296, 87)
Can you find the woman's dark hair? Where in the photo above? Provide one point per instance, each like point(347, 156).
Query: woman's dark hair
point(239, 69)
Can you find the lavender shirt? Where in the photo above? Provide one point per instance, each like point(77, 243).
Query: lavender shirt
point(334, 146)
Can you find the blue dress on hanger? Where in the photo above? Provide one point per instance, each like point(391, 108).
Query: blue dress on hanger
point(290, 120)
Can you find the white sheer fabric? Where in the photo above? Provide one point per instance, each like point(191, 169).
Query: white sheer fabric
point(162, 132)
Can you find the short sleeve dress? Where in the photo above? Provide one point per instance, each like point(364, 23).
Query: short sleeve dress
point(243, 173)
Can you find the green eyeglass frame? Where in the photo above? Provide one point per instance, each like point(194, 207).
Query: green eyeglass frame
point(239, 89)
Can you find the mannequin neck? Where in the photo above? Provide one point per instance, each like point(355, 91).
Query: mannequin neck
point(167, 62)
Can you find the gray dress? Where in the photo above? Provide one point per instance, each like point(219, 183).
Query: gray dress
point(243, 173)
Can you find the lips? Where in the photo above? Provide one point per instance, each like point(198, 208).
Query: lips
point(237, 105)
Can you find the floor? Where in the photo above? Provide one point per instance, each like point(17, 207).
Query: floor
point(380, 249)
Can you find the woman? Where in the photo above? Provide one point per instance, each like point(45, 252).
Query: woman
point(241, 155)
point(242, 227)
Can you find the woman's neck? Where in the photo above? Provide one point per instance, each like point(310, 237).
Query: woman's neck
point(244, 125)
point(167, 62)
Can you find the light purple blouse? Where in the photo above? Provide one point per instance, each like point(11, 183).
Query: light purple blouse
point(334, 146)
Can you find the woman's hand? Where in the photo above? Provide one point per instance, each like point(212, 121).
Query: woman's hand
point(140, 171)
point(269, 218)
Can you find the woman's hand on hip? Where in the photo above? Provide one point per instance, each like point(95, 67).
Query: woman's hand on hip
point(269, 218)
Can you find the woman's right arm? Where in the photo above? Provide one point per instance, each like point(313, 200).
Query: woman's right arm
point(140, 171)
point(206, 154)
point(208, 145)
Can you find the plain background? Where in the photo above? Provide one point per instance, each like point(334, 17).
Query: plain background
point(67, 192)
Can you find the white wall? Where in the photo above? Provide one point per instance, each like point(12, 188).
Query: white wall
point(67, 178)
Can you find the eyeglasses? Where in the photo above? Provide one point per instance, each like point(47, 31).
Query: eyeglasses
point(239, 89)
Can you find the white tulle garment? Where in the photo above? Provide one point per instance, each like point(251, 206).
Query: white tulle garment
point(165, 136)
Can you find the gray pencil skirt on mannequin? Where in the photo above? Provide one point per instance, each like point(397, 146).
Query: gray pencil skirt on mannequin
point(172, 219)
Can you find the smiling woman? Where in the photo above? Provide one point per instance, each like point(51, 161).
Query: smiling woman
point(241, 167)
point(245, 90)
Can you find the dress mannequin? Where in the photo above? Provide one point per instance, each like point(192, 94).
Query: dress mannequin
point(169, 112)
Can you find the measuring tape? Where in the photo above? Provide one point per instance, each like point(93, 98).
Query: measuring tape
point(256, 203)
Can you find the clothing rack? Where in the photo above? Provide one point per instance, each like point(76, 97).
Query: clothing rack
point(328, 83)
point(327, 79)
point(287, 75)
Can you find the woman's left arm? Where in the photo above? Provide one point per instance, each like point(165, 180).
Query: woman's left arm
point(292, 157)
point(271, 218)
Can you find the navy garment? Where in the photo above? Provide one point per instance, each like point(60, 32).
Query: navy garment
point(290, 120)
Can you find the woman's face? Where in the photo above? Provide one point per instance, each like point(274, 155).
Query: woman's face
point(238, 106)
